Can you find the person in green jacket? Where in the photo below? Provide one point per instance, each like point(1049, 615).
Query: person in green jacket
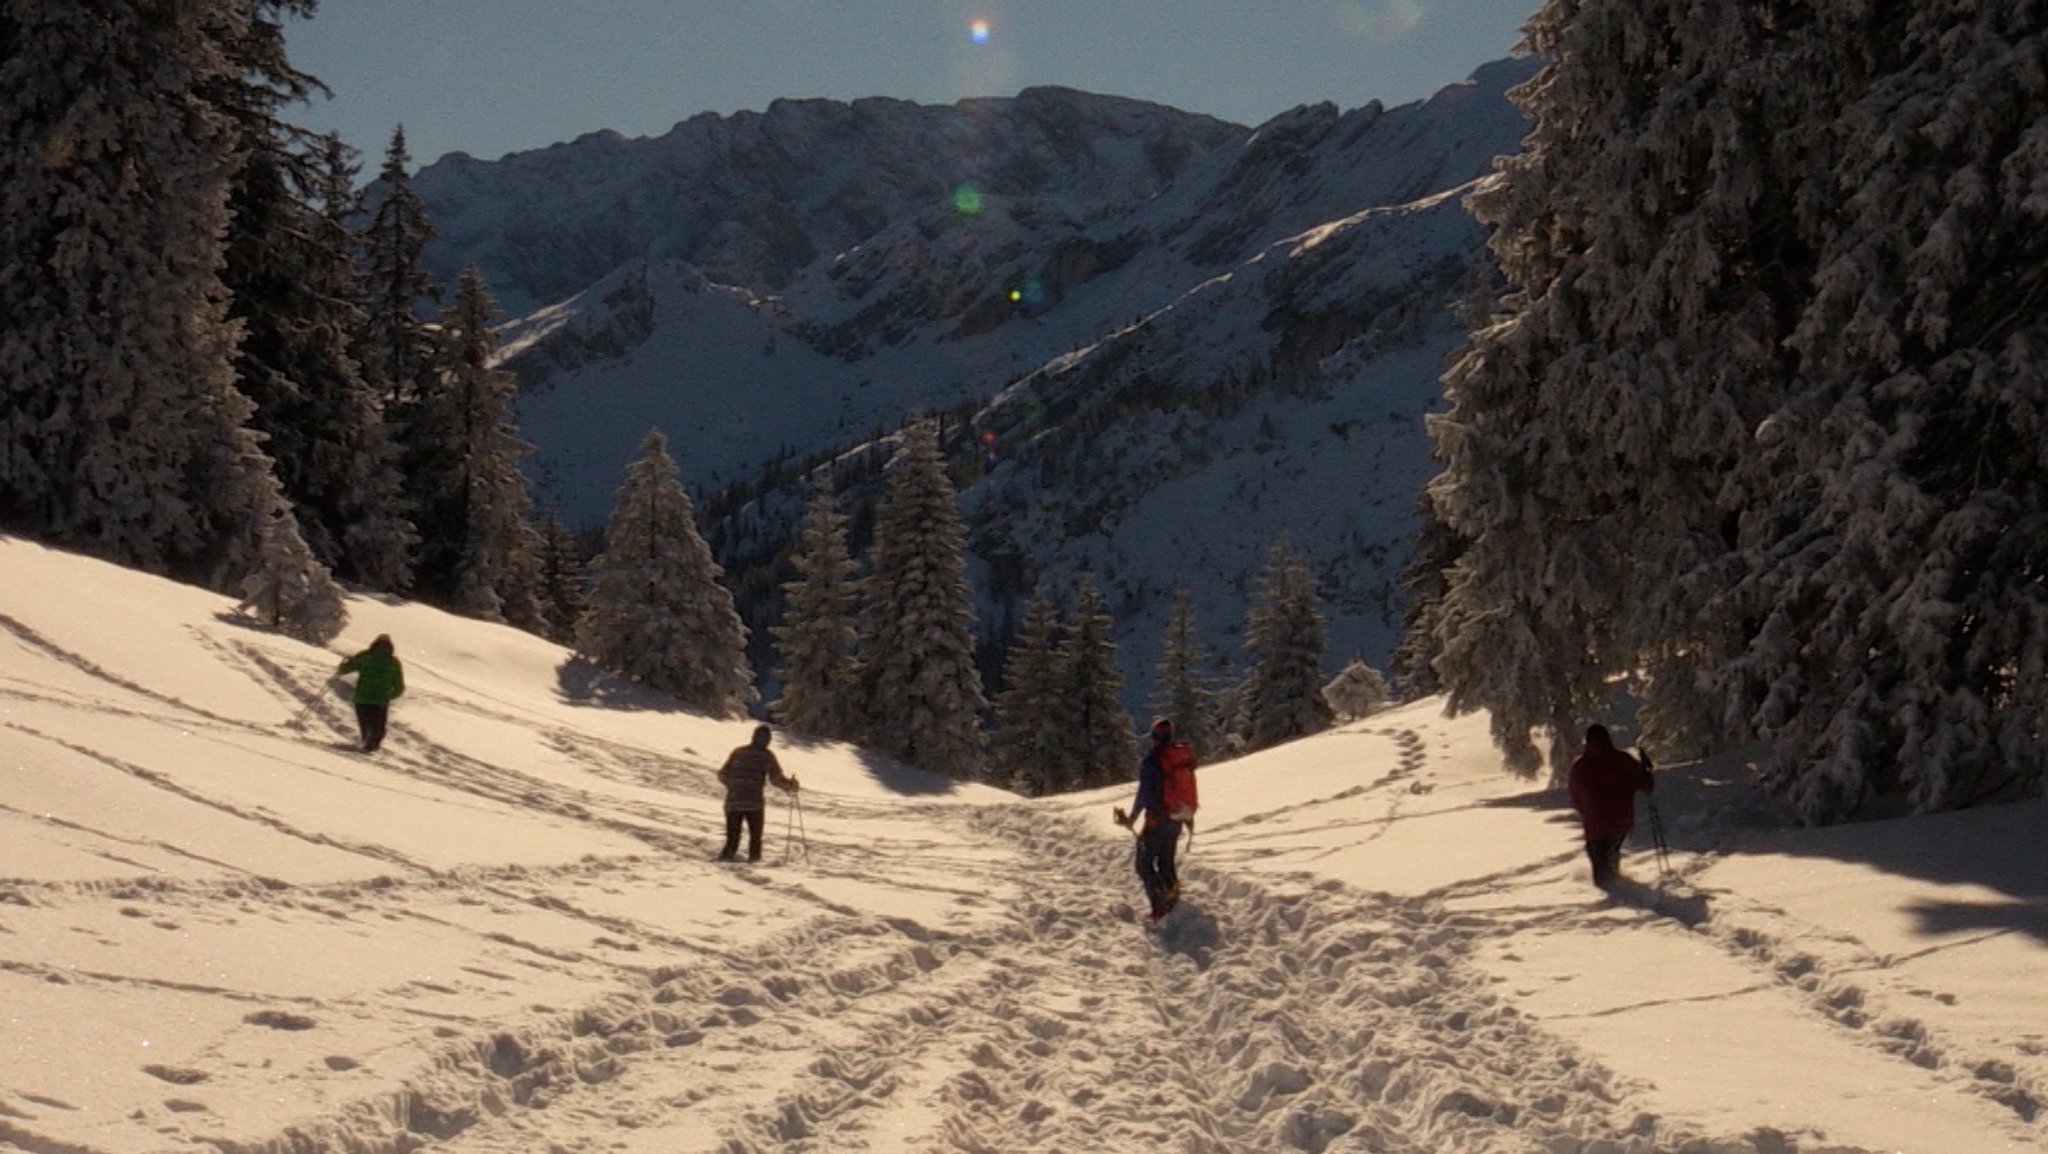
point(380, 679)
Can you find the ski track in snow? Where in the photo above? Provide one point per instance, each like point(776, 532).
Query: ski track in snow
point(1316, 1017)
point(1323, 1021)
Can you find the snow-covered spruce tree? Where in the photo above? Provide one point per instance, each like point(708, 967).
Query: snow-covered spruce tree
point(815, 642)
point(290, 590)
point(1596, 426)
point(1589, 429)
point(1357, 691)
point(562, 580)
point(921, 696)
point(659, 613)
point(1283, 690)
point(1029, 752)
point(294, 281)
point(479, 553)
point(1896, 582)
point(1412, 666)
point(1749, 427)
point(123, 433)
point(1095, 732)
point(397, 349)
point(1180, 694)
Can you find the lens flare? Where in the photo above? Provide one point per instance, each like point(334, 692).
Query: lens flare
point(978, 31)
point(967, 200)
point(1381, 22)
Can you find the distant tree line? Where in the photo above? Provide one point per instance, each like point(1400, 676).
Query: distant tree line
point(882, 652)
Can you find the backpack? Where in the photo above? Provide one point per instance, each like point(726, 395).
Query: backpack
point(1177, 780)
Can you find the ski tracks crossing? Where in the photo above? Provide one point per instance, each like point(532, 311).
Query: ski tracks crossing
point(1262, 1017)
point(1323, 1020)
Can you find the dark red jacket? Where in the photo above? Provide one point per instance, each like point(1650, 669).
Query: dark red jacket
point(1604, 783)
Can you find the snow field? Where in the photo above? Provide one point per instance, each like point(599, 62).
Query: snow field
point(222, 929)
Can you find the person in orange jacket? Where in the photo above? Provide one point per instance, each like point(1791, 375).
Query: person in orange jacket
point(1603, 786)
point(1165, 815)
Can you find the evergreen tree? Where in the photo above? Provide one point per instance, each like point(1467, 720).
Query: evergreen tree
point(921, 691)
point(1752, 428)
point(1283, 690)
point(1095, 731)
point(122, 431)
point(479, 552)
point(815, 642)
point(562, 599)
point(1180, 694)
point(397, 349)
point(1413, 663)
point(294, 283)
point(1590, 431)
point(1030, 753)
point(658, 611)
point(1357, 691)
point(289, 589)
point(1900, 622)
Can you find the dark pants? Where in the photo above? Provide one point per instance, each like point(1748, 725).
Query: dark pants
point(1605, 854)
point(1156, 847)
point(733, 819)
point(371, 719)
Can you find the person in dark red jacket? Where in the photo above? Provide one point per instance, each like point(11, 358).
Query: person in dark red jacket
point(1603, 785)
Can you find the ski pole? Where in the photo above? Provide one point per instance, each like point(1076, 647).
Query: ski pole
point(1657, 838)
point(1656, 820)
point(795, 842)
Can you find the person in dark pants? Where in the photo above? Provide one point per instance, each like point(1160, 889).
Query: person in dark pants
point(1160, 838)
point(745, 774)
point(1603, 786)
point(380, 680)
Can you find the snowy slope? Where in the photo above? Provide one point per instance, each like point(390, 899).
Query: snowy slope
point(220, 930)
point(1173, 453)
point(773, 289)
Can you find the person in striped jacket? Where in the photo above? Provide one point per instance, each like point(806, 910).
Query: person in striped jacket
point(746, 774)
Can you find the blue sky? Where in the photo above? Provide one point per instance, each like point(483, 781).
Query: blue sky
point(489, 77)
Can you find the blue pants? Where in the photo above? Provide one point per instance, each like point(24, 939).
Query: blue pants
point(1156, 847)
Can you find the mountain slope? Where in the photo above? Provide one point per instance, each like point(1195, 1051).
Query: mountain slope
point(1271, 306)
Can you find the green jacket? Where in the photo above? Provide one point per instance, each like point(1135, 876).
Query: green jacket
point(379, 676)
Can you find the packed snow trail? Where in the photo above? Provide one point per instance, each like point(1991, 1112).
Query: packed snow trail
point(1321, 1021)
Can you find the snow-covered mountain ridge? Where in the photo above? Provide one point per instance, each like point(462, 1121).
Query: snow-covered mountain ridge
point(1143, 319)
